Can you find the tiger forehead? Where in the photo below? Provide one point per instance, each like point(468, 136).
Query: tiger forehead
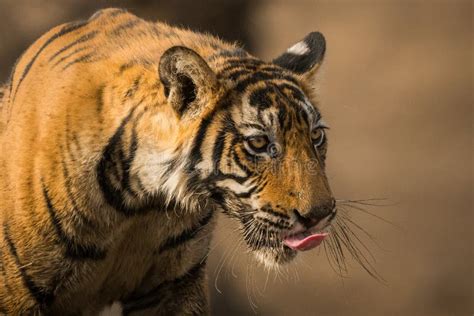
point(272, 93)
point(286, 101)
point(243, 72)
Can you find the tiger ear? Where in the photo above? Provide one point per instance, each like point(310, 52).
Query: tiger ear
point(187, 79)
point(305, 57)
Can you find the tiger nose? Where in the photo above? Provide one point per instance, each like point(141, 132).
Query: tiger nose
point(317, 213)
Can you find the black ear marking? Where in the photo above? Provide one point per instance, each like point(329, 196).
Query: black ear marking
point(304, 55)
point(186, 78)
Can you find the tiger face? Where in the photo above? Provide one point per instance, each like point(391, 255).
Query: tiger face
point(257, 142)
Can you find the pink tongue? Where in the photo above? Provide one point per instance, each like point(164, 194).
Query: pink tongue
point(299, 243)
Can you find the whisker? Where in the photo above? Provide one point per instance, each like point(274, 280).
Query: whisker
point(364, 200)
point(234, 261)
point(333, 258)
point(363, 210)
point(249, 295)
point(343, 229)
point(219, 267)
point(349, 222)
point(339, 250)
point(359, 255)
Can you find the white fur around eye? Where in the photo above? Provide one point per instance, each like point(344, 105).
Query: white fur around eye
point(299, 48)
point(322, 124)
point(320, 141)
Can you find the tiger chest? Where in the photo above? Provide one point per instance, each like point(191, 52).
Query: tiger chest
point(147, 251)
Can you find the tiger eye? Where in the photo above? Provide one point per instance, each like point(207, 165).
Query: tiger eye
point(258, 142)
point(317, 136)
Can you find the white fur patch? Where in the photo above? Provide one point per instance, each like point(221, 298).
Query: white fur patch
point(322, 124)
point(112, 310)
point(299, 48)
point(233, 186)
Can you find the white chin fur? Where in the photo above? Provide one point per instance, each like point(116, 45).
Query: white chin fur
point(267, 259)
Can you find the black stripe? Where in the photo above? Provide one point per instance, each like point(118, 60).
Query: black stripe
point(239, 72)
point(220, 197)
point(186, 235)
point(262, 76)
point(73, 249)
point(282, 117)
point(238, 65)
point(127, 65)
point(295, 91)
point(127, 162)
point(237, 138)
point(4, 275)
point(269, 210)
point(12, 76)
point(260, 97)
point(280, 224)
point(302, 118)
point(172, 165)
point(261, 186)
point(119, 161)
point(74, 52)
point(65, 30)
point(252, 125)
point(84, 219)
point(237, 75)
point(83, 58)
point(250, 63)
point(100, 101)
point(246, 195)
point(168, 288)
point(271, 68)
point(124, 26)
point(240, 164)
point(111, 194)
point(133, 89)
point(236, 53)
point(108, 168)
point(219, 144)
point(217, 174)
point(42, 295)
point(195, 155)
point(82, 39)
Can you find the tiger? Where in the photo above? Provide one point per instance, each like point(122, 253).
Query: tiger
point(121, 139)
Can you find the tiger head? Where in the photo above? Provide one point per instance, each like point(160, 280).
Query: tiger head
point(255, 142)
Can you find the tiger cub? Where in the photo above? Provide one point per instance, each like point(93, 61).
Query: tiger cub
point(121, 139)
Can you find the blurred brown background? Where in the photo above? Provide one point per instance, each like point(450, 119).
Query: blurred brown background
point(397, 92)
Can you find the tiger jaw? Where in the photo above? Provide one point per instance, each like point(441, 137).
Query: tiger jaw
point(274, 248)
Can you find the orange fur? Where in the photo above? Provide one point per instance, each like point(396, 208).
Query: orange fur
point(86, 117)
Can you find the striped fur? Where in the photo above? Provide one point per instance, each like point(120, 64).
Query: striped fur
point(120, 138)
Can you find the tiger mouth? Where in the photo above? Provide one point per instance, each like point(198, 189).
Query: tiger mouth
point(303, 239)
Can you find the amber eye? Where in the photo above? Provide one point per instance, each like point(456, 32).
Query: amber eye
point(258, 144)
point(317, 136)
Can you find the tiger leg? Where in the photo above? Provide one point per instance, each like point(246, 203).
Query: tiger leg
point(185, 295)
